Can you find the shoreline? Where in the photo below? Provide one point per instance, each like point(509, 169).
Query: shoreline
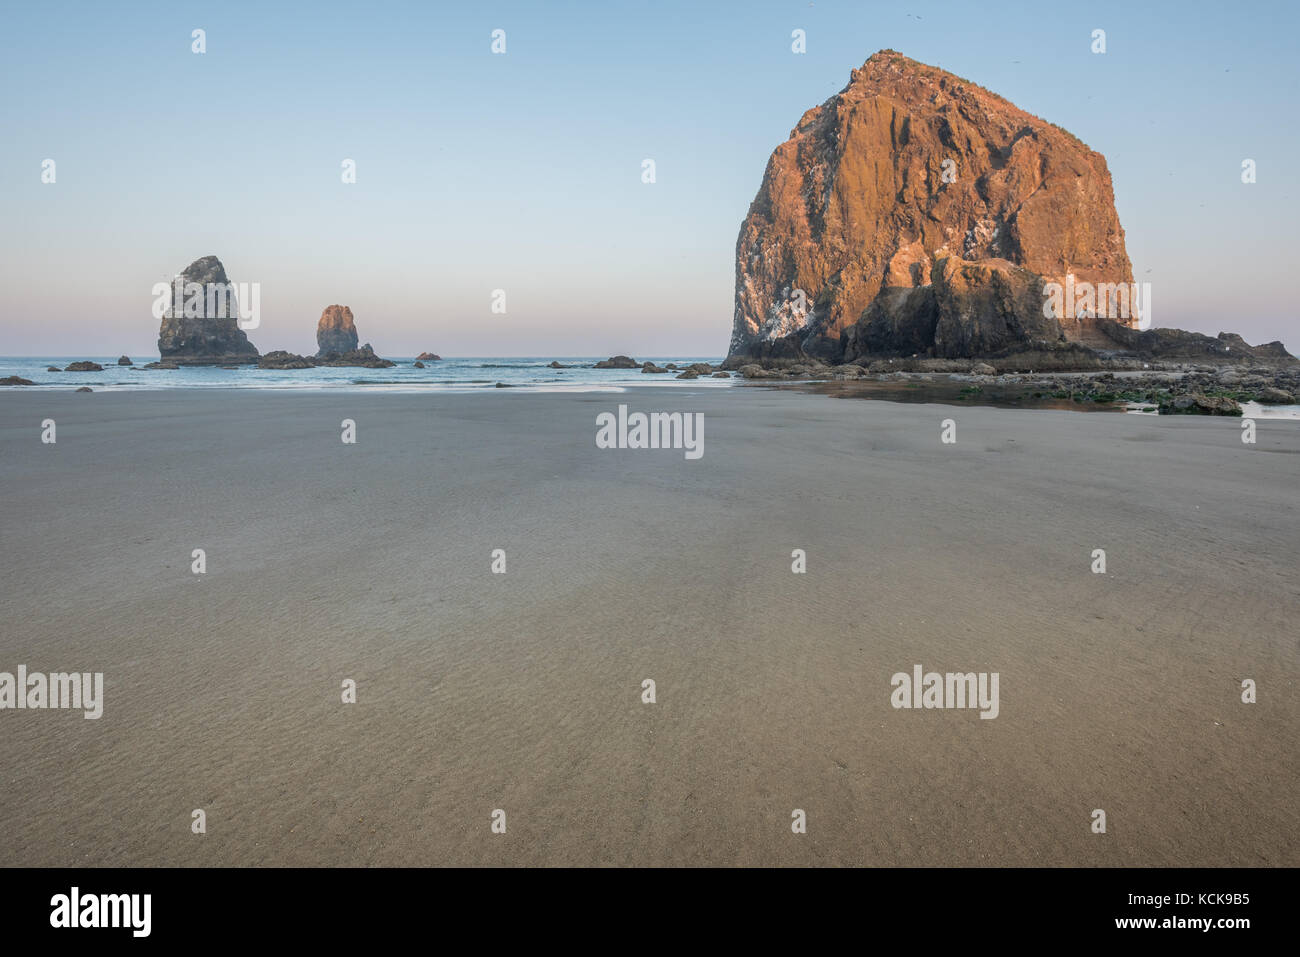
point(955, 391)
point(1256, 388)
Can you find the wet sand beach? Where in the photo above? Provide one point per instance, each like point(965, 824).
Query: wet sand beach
point(523, 691)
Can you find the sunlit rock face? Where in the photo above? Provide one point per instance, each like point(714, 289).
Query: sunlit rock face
point(917, 213)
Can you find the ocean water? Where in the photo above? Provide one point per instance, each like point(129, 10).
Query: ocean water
point(443, 375)
point(463, 375)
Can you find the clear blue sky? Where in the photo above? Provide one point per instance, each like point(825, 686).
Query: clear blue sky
point(522, 171)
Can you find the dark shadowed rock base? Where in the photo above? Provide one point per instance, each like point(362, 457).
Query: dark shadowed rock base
point(364, 358)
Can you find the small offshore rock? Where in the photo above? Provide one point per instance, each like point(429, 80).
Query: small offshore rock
point(280, 359)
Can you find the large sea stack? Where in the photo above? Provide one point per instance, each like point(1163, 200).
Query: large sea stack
point(336, 341)
point(210, 335)
point(336, 331)
point(917, 214)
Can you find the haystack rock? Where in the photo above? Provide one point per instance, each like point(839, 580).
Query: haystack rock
point(204, 339)
point(917, 213)
point(336, 332)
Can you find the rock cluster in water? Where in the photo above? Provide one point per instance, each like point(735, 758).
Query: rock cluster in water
point(210, 335)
